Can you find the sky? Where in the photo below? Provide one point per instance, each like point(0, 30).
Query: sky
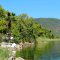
point(34, 8)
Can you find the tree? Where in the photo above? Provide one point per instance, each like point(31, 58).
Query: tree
point(2, 12)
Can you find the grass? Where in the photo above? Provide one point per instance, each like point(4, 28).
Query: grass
point(42, 42)
point(4, 53)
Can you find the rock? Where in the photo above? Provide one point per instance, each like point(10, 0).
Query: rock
point(10, 58)
point(19, 58)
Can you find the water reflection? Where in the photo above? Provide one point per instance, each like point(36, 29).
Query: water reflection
point(27, 53)
point(50, 52)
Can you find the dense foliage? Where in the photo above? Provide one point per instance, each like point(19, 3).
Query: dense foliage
point(23, 27)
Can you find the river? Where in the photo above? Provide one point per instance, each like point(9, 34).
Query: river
point(50, 52)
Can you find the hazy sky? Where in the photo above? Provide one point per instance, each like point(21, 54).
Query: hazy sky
point(34, 8)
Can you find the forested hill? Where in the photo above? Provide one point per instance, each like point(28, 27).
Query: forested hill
point(50, 24)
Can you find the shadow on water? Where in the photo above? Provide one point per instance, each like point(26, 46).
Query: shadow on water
point(51, 51)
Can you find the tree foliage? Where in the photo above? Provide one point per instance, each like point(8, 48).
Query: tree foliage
point(23, 27)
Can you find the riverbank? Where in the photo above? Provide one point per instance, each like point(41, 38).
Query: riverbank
point(42, 43)
point(47, 39)
point(12, 48)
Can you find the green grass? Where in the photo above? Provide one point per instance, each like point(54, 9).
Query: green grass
point(4, 54)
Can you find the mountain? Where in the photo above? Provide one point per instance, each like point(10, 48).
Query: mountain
point(52, 24)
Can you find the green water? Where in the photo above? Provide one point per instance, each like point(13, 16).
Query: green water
point(50, 52)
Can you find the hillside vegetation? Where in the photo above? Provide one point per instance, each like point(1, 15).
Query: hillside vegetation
point(23, 27)
point(52, 24)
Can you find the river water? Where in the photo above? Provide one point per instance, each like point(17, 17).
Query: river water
point(50, 52)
